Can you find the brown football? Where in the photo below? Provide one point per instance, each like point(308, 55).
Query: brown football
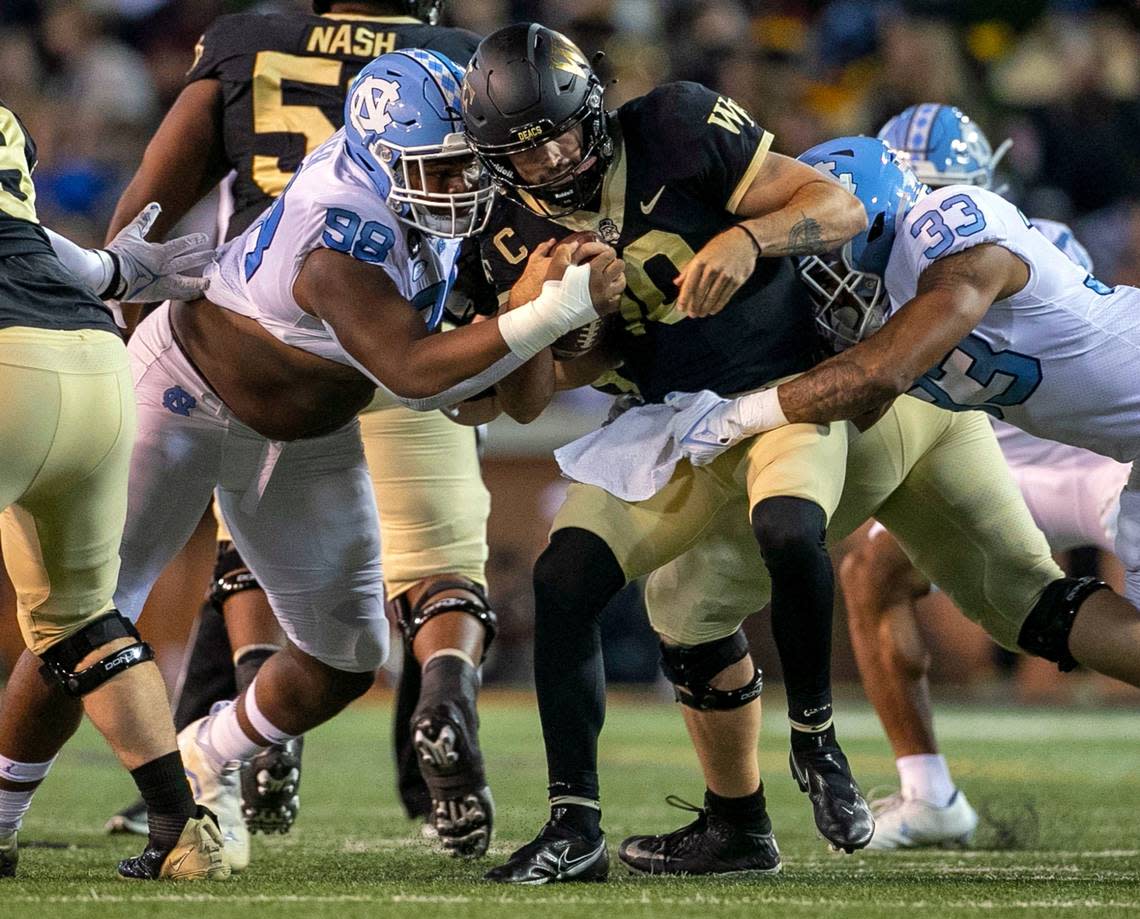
point(578, 341)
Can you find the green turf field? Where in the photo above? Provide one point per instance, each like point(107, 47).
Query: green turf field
point(1063, 785)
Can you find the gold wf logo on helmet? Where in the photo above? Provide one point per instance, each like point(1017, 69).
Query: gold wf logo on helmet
point(566, 57)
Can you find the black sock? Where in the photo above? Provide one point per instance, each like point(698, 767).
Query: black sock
point(410, 783)
point(791, 534)
point(169, 803)
point(805, 741)
point(446, 678)
point(248, 663)
point(749, 812)
point(207, 672)
point(574, 579)
point(581, 818)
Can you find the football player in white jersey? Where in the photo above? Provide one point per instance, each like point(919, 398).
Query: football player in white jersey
point(1072, 494)
point(331, 294)
point(965, 304)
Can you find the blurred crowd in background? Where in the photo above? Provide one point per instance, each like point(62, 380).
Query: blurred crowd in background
point(1061, 78)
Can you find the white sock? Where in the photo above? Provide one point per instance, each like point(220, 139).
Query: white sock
point(14, 804)
point(224, 740)
point(261, 724)
point(926, 776)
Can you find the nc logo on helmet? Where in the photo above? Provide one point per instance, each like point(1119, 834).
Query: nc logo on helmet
point(846, 179)
point(370, 104)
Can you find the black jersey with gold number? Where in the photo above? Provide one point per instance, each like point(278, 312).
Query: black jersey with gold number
point(36, 290)
point(684, 157)
point(284, 79)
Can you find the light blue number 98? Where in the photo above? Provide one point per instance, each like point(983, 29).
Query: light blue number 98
point(344, 233)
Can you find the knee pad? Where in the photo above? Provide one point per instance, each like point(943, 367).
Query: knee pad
point(1045, 633)
point(690, 669)
point(411, 617)
point(231, 576)
point(61, 659)
point(784, 524)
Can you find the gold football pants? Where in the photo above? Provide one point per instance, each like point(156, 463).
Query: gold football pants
point(937, 480)
point(800, 460)
point(67, 423)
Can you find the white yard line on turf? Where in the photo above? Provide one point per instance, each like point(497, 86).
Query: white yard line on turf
point(575, 900)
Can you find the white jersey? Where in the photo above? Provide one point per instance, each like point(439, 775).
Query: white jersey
point(329, 204)
point(1061, 236)
point(1023, 450)
point(1057, 359)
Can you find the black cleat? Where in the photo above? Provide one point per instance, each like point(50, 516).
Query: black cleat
point(9, 854)
point(841, 815)
point(559, 853)
point(269, 788)
point(708, 845)
point(196, 856)
point(462, 809)
point(131, 819)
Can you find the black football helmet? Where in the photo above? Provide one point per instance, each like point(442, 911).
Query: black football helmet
point(527, 85)
point(425, 10)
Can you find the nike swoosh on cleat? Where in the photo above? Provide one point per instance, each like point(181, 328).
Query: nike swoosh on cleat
point(176, 863)
point(652, 203)
point(568, 866)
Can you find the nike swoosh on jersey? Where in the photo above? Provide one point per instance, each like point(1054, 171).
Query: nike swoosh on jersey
point(646, 207)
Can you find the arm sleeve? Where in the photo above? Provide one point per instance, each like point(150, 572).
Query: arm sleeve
point(93, 267)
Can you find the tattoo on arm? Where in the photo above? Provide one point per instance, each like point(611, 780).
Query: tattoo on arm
point(953, 294)
point(838, 388)
point(805, 236)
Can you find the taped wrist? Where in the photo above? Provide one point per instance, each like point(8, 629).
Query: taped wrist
point(561, 307)
point(758, 412)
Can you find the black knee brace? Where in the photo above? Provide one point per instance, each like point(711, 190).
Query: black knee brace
point(1045, 632)
point(61, 659)
point(231, 576)
point(411, 617)
point(690, 669)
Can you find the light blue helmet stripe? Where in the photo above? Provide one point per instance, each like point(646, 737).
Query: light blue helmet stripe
point(919, 129)
point(442, 75)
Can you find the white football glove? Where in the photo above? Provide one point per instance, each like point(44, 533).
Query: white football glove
point(147, 272)
point(705, 425)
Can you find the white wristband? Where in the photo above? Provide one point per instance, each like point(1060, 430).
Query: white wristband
point(561, 307)
point(760, 412)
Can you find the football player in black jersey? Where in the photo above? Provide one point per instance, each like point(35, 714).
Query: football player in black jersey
point(681, 182)
point(67, 423)
point(263, 91)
